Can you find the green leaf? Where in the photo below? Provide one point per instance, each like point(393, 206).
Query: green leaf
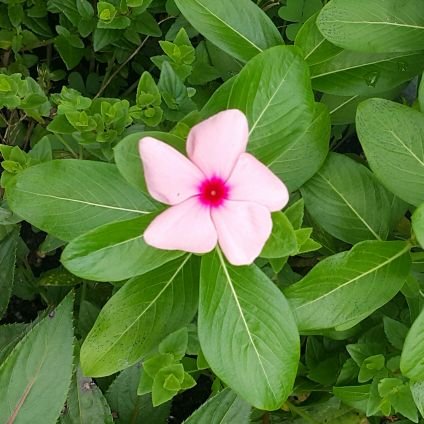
point(395, 332)
point(175, 343)
point(114, 252)
point(418, 224)
point(128, 160)
point(224, 408)
point(374, 26)
point(242, 35)
point(307, 152)
point(417, 390)
point(86, 403)
point(70, 55)
point(354, 396)
point(35, 377)
point(67, 198)
point(288, 131)
point(140, 315)
point(8, 248)
point(371, 367)
point(398, 394)
point(348, 73)
point(411, 362)
point(257, 350)
point(345, 198)
point(282, 241)
point(130, 408)
point(347, 287)
point(392, 136)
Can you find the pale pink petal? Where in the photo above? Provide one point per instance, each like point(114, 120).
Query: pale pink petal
point(243, 228)
point(170, 177)
point(253, 181)
point(215, 144)
point(187, 226)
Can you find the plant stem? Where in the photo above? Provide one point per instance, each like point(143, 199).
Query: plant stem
point(68, 147)
point(298, 411)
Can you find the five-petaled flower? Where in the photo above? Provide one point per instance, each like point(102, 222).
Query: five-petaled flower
point(218, 195)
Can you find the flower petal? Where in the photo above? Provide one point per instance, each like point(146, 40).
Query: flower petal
point(252, 181)
point(215, 144)
point(187, 226)
point(170, 177)
point(243, 228)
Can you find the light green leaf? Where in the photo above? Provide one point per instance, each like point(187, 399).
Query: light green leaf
point(86, 403)
point(69, 197)
point(392, 136)
point(282, 241)
point(347, 201)
point(257, 350)
point(130, 408)
point(140, 315)
point(347, 287)
point(411, 361)
point(114, 252)
point(418, 224)
point(128, 160)
point(374, 26)
point(8, 248)
point(417, 390)
point(35, 377)
point(242, 35)
point(224, 408)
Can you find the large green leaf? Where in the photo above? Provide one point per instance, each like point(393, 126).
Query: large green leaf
point(86, 403)
point(130, 408)
point(8, 248)
point(67, 198)
point(392, 136)
point(288, 131)
point(411, 361)
point(374, 26)
point(240, 28)
point(347, 287)
point(277, 100)
point(247, 332)
point(224, 408)
point(127, 157)
point(35, 377)
point(348, 202)
point(140, 315)
point(115, 252)
point(348, 73)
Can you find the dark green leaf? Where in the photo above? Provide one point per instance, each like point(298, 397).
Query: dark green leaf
point(256, 351)
point(35, 377)
point(140, 315)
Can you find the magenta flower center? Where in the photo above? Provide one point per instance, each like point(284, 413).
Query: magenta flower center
point(213, 192)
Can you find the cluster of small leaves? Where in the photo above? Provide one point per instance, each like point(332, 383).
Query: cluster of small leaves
point(327, 325)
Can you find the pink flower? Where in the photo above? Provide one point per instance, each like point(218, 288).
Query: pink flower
point(219, 194)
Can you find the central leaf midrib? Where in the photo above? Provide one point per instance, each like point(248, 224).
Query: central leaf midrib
point(136, 320)
point(370, 271)
point(228, 26)
point(357, 214)
point(243, 318)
